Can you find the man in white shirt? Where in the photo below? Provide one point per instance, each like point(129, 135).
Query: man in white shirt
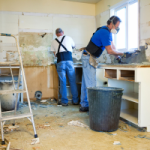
point(62, 47)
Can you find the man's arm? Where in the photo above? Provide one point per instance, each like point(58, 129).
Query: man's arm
point(111, 49)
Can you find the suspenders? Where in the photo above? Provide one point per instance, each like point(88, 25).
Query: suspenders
point(63, 56)
point(60, 44)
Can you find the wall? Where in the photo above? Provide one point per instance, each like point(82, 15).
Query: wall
point(48, 6)
point(104, 5)
point(30, 27)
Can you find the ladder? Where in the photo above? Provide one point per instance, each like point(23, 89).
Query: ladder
point(17, 91)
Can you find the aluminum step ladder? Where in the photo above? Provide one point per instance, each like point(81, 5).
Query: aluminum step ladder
point(17, 91)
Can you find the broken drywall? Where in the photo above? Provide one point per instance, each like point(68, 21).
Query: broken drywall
point(35, 48)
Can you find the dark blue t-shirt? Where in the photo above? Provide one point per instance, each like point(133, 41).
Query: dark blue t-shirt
point(102, 37)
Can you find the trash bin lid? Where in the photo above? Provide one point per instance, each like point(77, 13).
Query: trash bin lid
point(105, 88)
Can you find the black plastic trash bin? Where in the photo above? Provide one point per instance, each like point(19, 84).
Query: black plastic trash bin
point(104, 108)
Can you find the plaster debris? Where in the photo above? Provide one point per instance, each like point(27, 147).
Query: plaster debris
point(13, 127)
point(36, 148)
point(109, 133)
point(43, 101)
point(10, 128)
point(142, 137)
point(77, 123)
point(124, 128)
point(35, 141)
point(46, 125)
point(117, 143)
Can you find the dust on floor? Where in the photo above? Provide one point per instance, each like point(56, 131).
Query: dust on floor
point(55, 133)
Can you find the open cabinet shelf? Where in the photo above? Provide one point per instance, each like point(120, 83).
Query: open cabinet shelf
point(129, 111)
point(131, 97)
point(111, 73)
point(127, 75)
point(130, 115)
point(136, 84)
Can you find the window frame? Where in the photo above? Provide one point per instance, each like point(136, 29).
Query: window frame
point(113, 11)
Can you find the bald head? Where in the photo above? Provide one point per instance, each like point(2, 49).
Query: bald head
point(59, 32)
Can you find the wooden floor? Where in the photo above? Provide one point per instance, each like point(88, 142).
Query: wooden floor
point(61, 136)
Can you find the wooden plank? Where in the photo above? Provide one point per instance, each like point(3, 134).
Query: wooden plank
point(7, 63)
point(38, 80)
point(55, 82)
point(6, 71)
point(2, 92)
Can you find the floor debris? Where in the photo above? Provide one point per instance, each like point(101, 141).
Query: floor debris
point(124, 128)
point(46, 125)
point(109, 133)
point(117, 143)
point(43, 126)
point(36, 148)
point(35, 141)
point(8, 128)
point(43, 101)
point(142, 137)
point(15, 149)
point(77, 123)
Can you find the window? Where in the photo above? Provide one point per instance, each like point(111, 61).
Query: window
point(127, 38)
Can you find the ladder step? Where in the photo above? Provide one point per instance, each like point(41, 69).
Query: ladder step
point(7, 63)
point(13, 117)
point(2, 92)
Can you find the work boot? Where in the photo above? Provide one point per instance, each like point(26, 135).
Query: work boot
point(73, 103)
point(62, 104)
point(84, 109)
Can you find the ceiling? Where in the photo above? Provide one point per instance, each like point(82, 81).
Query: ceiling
point(85, 1)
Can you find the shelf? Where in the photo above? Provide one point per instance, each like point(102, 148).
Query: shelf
point(130, 97)
point(130, 115)
point(111, 73)
point(127, 75)
point(8, 75)
point(2, 92)
point(127, 79)
point(6, 63)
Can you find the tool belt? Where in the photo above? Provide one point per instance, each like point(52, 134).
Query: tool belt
point(93, 60)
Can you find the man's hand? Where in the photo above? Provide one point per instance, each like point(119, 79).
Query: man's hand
point(127, 54)
point(119, 59)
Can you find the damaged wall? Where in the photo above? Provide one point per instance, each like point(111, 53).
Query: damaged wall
point(29, 27)
point(103, 14)
point(35, 49)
